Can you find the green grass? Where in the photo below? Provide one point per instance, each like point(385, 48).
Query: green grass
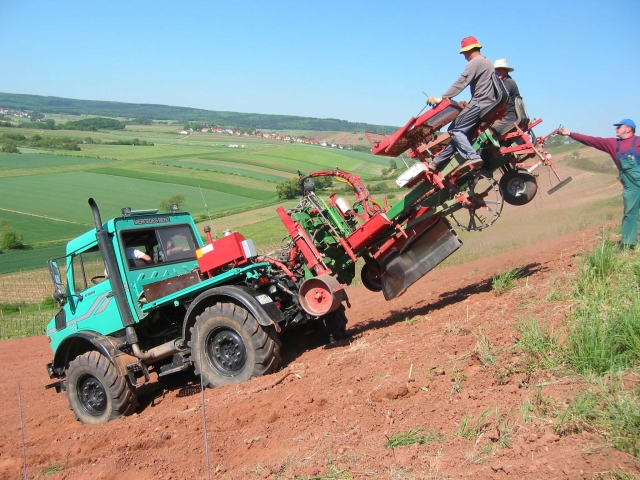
point(606, 408)
point(471, 427)
point(111, 193)
point(506, 280)
point(602, 346)
point(22, 260)
point(604, 332)
point(232, 170)
point(34, 160)
point(171, 178)
point(539, 342)
point(411, 437)
point(36, 230)
point(25, 325)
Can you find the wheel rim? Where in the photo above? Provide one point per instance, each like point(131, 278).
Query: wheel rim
point(485, 206)
point(516, 187)
point(226, 351)
point(92, 395)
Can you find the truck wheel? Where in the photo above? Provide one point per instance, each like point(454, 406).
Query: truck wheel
point(96, 392)
point(230, 346)
point(335, 325)
point(371, 276)
point(518, 187)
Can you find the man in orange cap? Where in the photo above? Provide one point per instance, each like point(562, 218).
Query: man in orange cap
point(477, 75)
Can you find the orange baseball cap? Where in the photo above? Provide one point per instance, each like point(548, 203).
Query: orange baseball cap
point(469, 43)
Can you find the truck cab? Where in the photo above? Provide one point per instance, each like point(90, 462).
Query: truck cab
point(143, 293)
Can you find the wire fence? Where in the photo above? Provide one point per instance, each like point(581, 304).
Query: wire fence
point(26, 325)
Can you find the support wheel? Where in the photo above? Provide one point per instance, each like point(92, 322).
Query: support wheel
point(484, 204)
point(371, 276)
point(96, 392)
point(518, 187)
point(230, 346)
point(335, 325)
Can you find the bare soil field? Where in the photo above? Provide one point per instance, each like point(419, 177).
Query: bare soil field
point(435, 358)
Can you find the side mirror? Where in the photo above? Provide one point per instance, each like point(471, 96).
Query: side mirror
point(59, 290)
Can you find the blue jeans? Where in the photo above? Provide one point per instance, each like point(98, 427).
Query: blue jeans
point(461, 126)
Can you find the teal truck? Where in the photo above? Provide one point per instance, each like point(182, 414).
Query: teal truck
point(144, 294)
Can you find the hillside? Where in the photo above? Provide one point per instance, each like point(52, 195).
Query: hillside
point(60, 105)
point(442, 359)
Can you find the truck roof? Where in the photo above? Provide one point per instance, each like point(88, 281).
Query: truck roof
point(129, 222)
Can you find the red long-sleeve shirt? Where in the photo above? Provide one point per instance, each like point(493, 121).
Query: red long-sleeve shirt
point(607, 145)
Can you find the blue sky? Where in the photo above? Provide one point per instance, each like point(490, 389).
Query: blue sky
point(575, 62)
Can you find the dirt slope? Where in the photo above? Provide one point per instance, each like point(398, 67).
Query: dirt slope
point(335, 407)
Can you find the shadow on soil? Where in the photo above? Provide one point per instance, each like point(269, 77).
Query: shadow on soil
point(296, 342)
point(446, 299)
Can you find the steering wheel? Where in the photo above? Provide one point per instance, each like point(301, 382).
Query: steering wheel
point(95, 280)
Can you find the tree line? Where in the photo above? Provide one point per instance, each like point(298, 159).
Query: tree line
point(242, 121)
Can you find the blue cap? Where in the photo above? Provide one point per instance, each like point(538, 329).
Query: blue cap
point(626, 121)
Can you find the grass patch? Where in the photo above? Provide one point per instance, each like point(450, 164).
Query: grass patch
point(471, 428)
point(608, 409)
point(412, 436)
point(604, 331)
point(506, 280)
point(539, 342)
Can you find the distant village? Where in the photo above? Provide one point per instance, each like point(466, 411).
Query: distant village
point(255, 133)
point(15, 113)
point(272, 136)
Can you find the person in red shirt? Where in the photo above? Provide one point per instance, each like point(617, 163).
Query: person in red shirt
point(625, 152)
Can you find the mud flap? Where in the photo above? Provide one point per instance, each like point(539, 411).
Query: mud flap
point(432, 248)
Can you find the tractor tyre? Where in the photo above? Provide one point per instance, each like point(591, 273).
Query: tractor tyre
point(97, 393)
point(518, 187)
point(229, 346)
point(371, 276)
point(334, 326)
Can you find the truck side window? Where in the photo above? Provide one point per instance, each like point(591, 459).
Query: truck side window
point(86, 266)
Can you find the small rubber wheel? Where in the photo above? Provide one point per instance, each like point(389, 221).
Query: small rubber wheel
point(518, 187)
point(371, 276)
point(334, 325)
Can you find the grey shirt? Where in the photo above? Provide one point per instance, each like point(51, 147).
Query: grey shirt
point(478, 76)
point(513, 91)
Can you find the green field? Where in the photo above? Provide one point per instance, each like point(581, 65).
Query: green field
point(212, 166)
point(50, 195)
point(44, 193)
point(22, 260)
point(37, 230)
point(10, 161)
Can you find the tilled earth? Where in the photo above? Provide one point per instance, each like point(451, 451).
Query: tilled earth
point(442, 352)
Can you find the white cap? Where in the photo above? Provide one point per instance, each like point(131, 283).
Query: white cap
point(502, 63)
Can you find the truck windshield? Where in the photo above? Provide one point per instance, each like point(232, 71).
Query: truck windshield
point(150, 246)
point(176, 243)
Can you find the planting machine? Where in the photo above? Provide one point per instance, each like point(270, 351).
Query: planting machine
point(401, 243)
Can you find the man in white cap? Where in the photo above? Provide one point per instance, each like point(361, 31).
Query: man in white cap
point(477, 75)
point(625, 152)
point(505, 124)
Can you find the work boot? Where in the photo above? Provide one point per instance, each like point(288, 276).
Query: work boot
point(466, 167)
